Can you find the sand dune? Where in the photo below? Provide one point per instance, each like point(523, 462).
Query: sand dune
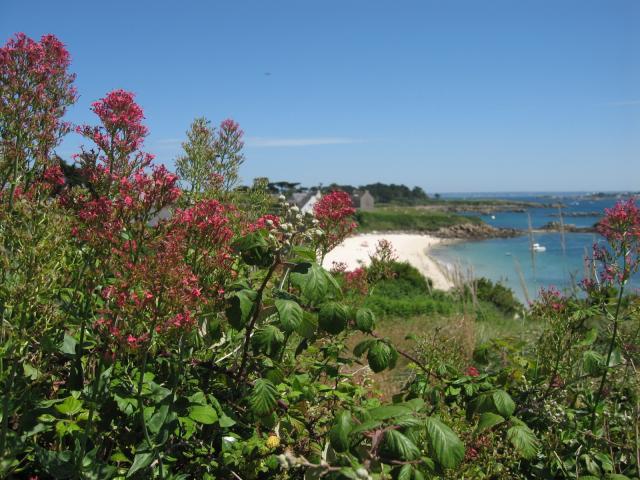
point(412, 248)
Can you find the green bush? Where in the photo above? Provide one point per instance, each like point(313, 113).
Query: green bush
point(497, 294)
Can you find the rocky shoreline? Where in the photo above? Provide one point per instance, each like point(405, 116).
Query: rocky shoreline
point(476, 231)
point(567, 228)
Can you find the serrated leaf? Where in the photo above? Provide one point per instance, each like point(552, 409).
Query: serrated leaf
point(290, 314)
point(362, 347)
point(308, 326)
point(268, 340)
point(523, 440)
point(239, 308)
point(313, 283)
point(503, 402)
point(339, 433)
point(405, 473)
point(398, 446)
point(365, 320)
point(447, 447)
point(488, 420)
point(379, 356)
point(332, 317)
point(254, 249)
point(263, 398)
point(204, 414)
point(366, 426)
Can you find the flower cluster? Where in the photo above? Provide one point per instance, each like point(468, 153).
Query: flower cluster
point(334, 213)
point(356, 281)
point(621, 257)
point(36, 89)
point(550, 301)
point(121, 134)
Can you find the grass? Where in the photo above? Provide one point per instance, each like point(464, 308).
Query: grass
point(409, 219)
point(456, 331)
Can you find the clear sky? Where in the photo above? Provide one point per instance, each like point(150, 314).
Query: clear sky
point(450, 95)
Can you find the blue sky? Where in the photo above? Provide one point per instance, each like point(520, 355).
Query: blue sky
point(476, 95)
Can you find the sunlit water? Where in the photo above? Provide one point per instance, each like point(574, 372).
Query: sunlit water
point(501, 259)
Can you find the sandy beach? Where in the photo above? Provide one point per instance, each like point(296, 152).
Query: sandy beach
point(409, 247)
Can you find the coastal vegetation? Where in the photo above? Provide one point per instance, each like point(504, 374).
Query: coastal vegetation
point(409, 219)
point(163, 327)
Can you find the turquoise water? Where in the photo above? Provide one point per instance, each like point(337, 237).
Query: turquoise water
point(500, 259)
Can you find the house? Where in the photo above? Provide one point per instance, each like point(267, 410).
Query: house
point(305, 201)
point(362, 200)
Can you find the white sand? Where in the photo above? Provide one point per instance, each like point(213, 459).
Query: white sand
point(409, 247)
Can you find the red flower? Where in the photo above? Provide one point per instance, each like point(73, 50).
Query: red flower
point(472, 371)
point(334, 212)
point(35, 91)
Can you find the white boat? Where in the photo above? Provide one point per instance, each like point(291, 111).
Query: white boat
point(536, 247)
point(493, 217)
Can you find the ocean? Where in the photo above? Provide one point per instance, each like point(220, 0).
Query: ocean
point(501, 259)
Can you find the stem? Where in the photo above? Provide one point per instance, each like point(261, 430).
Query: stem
point(141, 406)
point(254, 319)
point(5, 407)
point(92, 409)
point(612, 345)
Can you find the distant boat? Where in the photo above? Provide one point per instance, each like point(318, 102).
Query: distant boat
point(536, 247)
point(493, 217)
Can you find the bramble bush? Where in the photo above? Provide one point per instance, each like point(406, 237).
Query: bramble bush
point(155, 329)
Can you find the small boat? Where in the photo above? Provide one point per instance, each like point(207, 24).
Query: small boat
point(536, 247)
point(493, 217)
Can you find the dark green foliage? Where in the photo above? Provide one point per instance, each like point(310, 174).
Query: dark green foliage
point(499, 295)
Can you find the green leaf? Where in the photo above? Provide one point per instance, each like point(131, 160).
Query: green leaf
point(616, 476)
point(361, 348)
point(405, 473)
point(503, 402)
point(339, 433)
point(290, 314)
point(30, 371)
point(226, 421)
point(263, 398)
point(308, 326)
point(389, 411)
point(398, 446)
point(365, 320)
point(204, 414)
point(523, 440)
point(313, 283)
point(141, 461)
point(240, 307)
point(254, 249)
point(268, 340)
point(488, 420)
point(447, 447)
point(69, 345)
point(589, 338)
point(158, 418)
point(333, 317)
point(379, 356)
point(592, 362)
point(70, 406)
